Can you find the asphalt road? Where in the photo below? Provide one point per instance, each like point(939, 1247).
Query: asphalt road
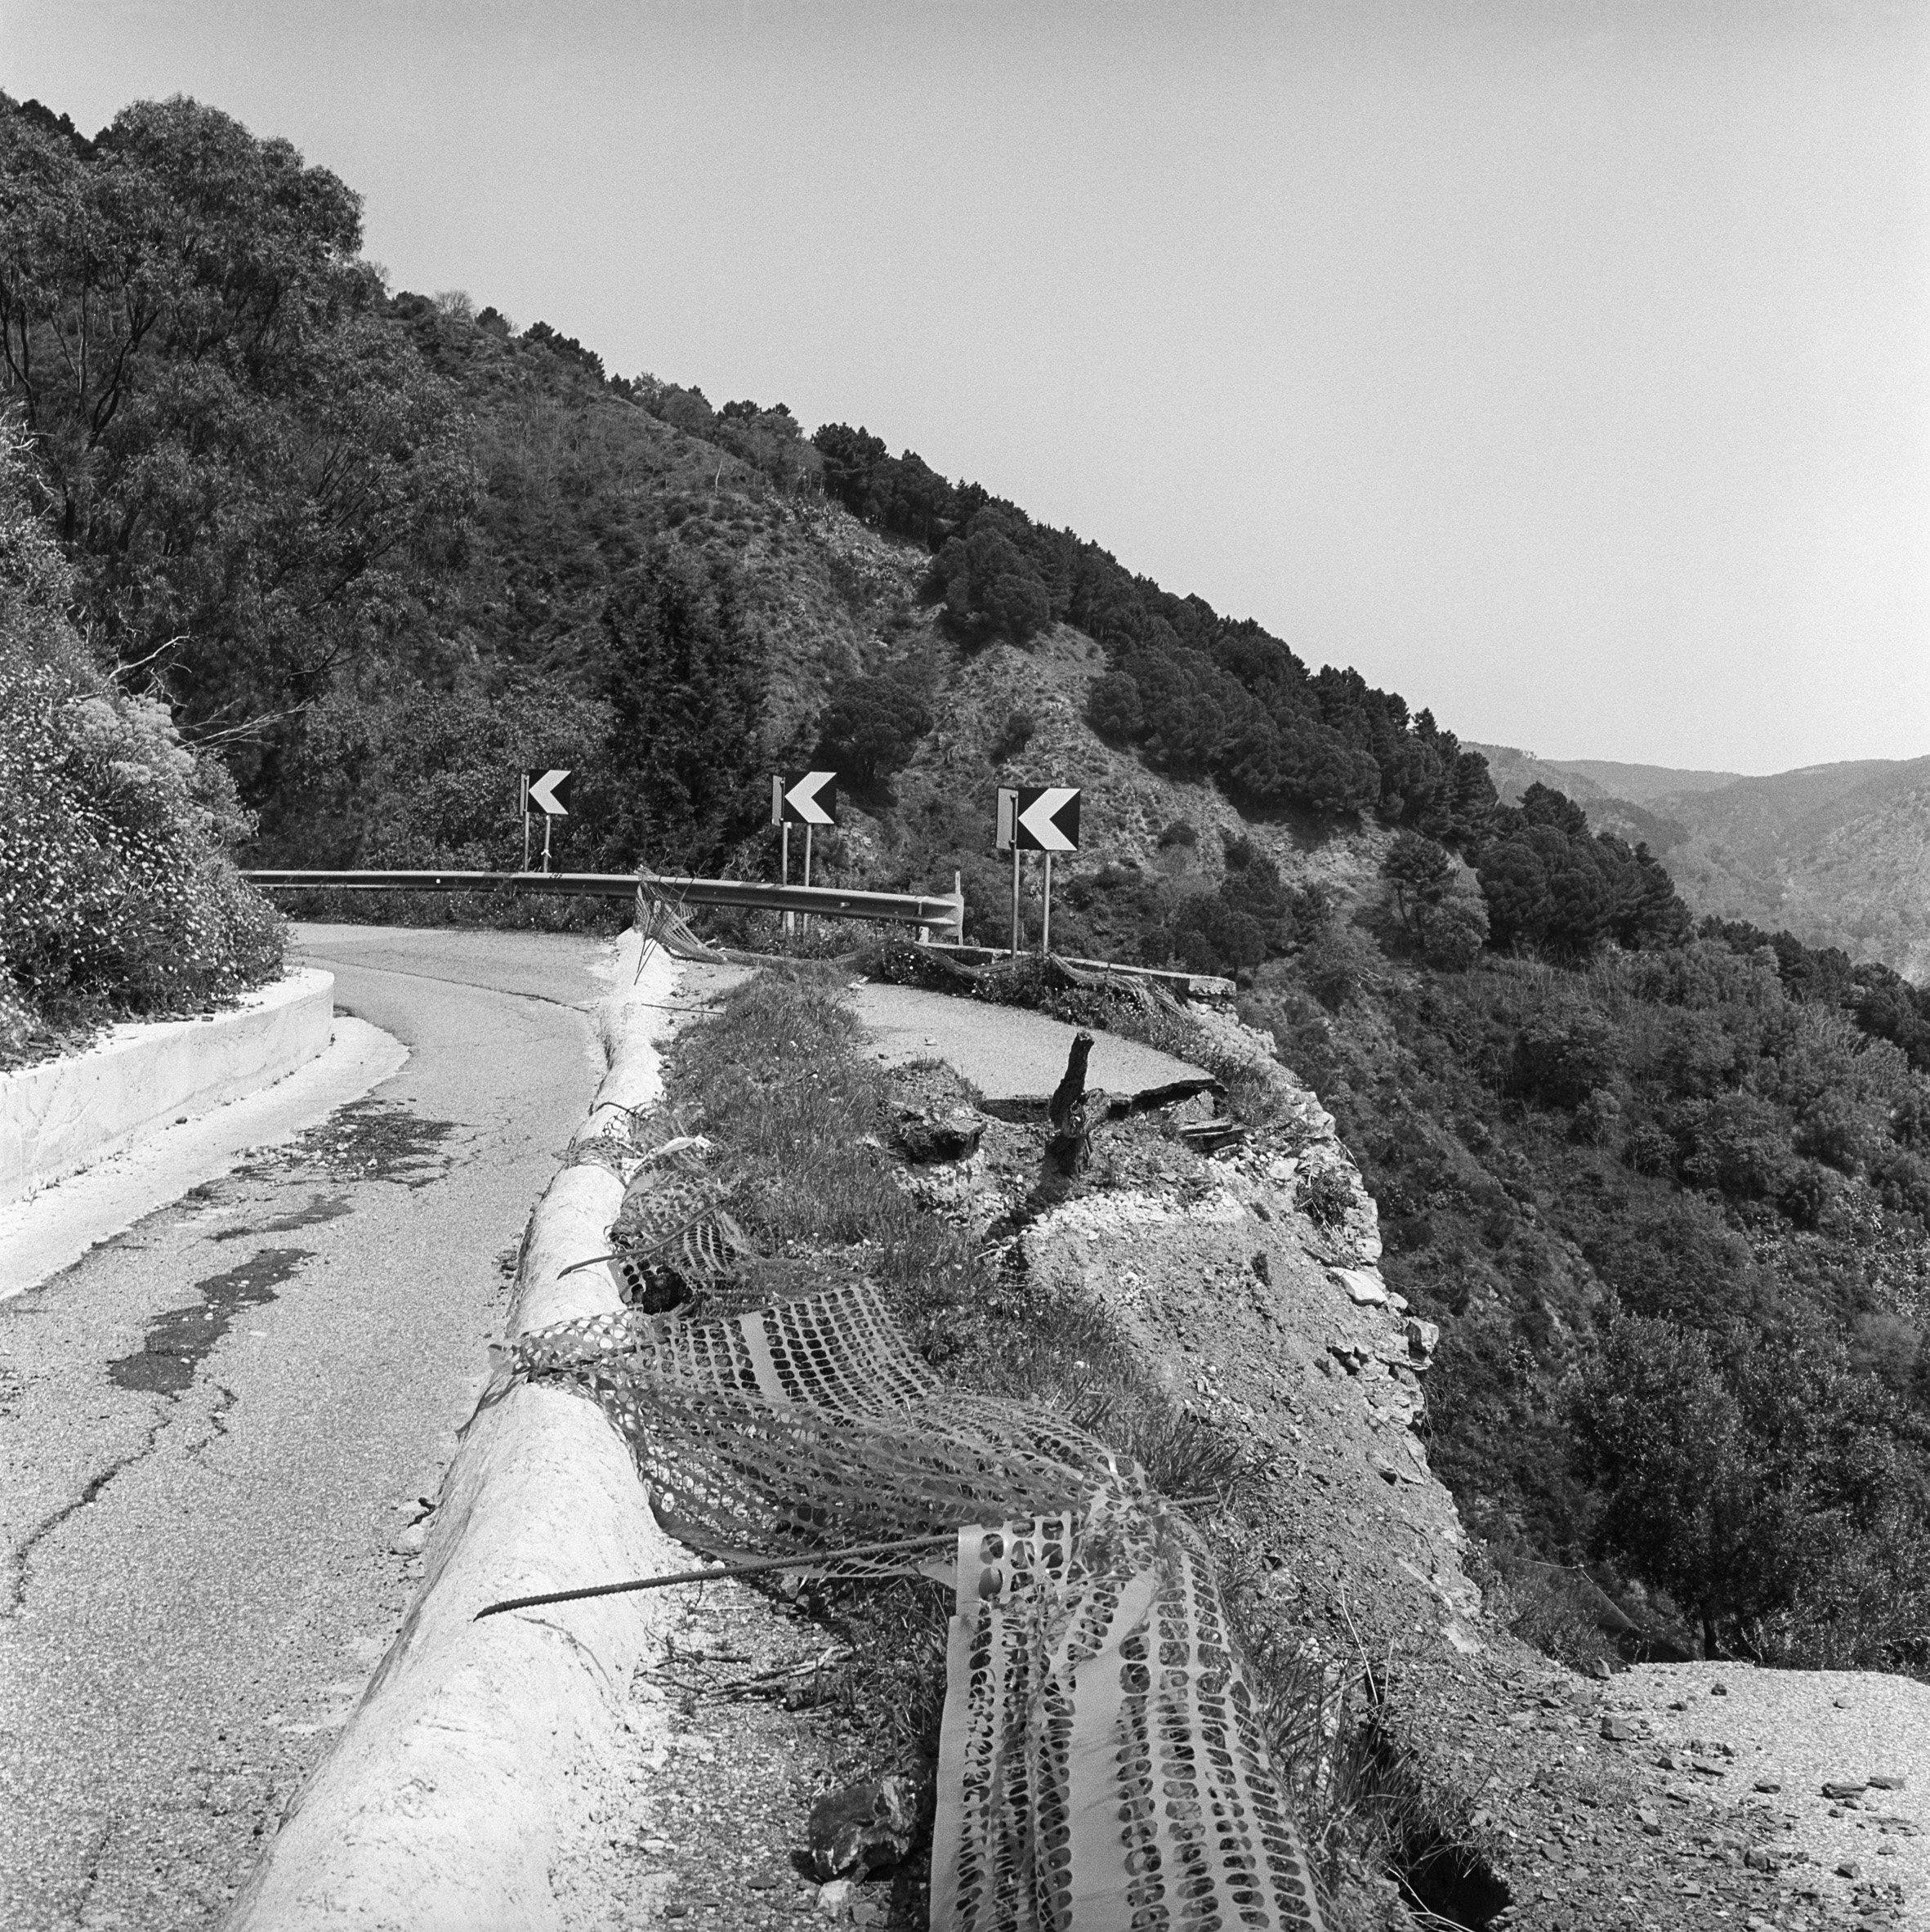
point(1006, 1053)
point(212, 1430)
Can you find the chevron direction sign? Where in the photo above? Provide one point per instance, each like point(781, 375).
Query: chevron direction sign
point(1039, 818)
point(548, 792)
point(804, 799)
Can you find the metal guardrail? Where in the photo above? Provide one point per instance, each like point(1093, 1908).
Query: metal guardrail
point(944, 914)
point(1192, 985)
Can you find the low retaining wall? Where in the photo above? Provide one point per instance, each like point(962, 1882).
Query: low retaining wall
point(458, 1797)
point(73, 1111)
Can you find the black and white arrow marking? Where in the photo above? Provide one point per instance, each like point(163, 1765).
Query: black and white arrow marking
point(804, 799)
point(548, 792)
point(1045, 818)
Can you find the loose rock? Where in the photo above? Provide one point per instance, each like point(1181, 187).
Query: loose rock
point(864, 1827)
point(938, 1133)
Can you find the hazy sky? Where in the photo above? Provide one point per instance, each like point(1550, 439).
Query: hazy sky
point(1565, 367)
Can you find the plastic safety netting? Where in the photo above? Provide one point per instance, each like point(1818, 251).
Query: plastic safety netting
point(1101, 1764)
point(663, 922)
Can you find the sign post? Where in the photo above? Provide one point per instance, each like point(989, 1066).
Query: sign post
point(1042, 818)
point(806, 799)
point(549, 793)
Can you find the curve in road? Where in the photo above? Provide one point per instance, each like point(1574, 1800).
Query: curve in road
point(214, 1430)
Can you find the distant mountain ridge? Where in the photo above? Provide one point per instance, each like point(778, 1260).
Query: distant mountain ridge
point(1837, 854)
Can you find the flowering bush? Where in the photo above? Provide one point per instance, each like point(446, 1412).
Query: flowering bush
point(117, 898)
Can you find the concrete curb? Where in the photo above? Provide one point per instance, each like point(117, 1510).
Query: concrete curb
point(43, 1232)
point(69, 1113)
point(462, 1794)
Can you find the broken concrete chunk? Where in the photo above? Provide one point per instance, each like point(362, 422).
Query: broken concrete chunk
point(937, 1133)
point(1363, 1287)
point(864, 1827)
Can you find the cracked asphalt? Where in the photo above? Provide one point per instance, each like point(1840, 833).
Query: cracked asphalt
point(213, 1430)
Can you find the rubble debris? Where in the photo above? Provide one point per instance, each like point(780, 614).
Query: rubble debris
point(929, 1133)
point(1363, 1287)
point(1208, 1137)
point(865, 1827)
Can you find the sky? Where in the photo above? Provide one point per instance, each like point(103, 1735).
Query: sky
point(1562, 364)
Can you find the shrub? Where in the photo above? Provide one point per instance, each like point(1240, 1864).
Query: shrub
point(1736, 1144)
point(1207, 935)
point(1457, 933)
point(1560, 1056)
point(117, 896)
point(1013, 739)
point(1333, 966)
point(1597, 1120)
point(1901, 1181)
point(1179, 832)
point(1807, 1191)
point(1832, 1129)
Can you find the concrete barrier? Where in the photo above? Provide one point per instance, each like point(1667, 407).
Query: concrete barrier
point(469, 1778)
point(67, 1113)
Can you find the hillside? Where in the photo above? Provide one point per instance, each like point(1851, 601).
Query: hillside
point(1663, 1188)
point(1588, 780)
point(1839, 854)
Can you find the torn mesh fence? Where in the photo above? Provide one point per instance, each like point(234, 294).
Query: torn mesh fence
point(664, 924)
point(1101, 1766)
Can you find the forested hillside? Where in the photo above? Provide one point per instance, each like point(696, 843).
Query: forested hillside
point(1664, 1186)
point(1838, 854)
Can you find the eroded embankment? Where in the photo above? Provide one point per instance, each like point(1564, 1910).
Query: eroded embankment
point(1071, 1272)
point(1451, 1770)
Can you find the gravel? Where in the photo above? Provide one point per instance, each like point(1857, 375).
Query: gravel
point(1796, 1731)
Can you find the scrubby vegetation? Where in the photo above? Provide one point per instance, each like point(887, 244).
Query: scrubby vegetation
point(1669, 1207)
point(117, 899)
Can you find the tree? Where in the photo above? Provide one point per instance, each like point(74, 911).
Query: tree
point(870, 728)
point(242, 456)
point(1208, 935)
point(1661, 1442)
point(989, 587)
point(1113, 707)
point(1549, 884)
point(684, 676)
point(1420, 872)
